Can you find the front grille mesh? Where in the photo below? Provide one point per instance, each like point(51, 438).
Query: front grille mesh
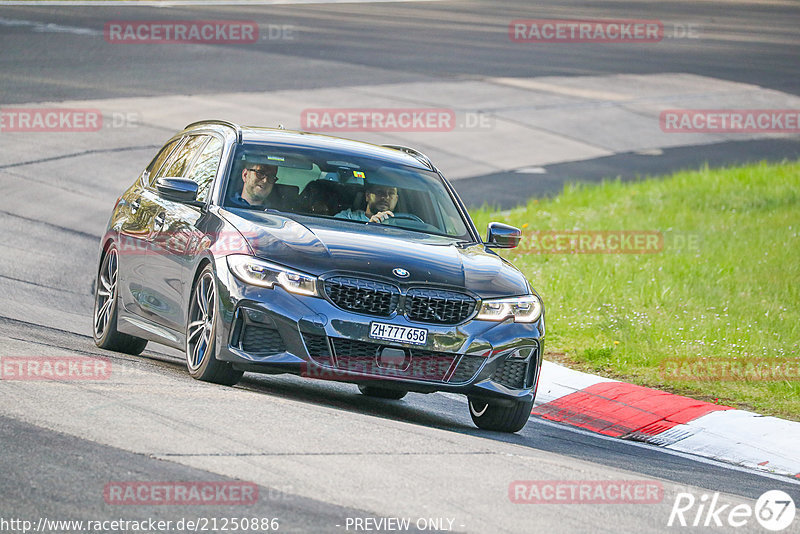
point(317, 347)
point(511, 373)
point(467, 367)
point(362, 357)
point(438, 306)
point(354, 349)
point(363, 296)
point(262, 340)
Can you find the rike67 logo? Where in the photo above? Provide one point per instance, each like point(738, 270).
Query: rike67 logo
point(774, 510)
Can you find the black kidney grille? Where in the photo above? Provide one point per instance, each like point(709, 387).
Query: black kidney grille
point(362, 296)
point(438, 306)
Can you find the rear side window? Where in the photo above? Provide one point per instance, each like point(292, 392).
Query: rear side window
point(179, 163)
point(205, 167)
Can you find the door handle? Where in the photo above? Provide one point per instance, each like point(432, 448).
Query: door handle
point(160, 220)
point(135, 205)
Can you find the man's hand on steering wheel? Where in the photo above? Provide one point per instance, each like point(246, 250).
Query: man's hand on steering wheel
point(381, 216)
point(384, 216)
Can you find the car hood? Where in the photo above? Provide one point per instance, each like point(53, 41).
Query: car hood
point(318, 246)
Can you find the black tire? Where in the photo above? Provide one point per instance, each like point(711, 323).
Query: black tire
point(201, 326)
point(382, 393)
point(488, 416)
point(104, 317)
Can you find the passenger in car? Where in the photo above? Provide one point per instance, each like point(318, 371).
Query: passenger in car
point(259, 181)
point(320, 197)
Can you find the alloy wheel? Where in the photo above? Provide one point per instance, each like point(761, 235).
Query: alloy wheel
point(105, 294)
point(200, 331)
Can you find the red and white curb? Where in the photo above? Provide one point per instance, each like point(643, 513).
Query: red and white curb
point(626, 411)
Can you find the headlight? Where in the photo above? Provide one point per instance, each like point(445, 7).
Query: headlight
point(262, 273)
point(525, 309)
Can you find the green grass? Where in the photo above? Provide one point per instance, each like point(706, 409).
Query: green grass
point(724, 289)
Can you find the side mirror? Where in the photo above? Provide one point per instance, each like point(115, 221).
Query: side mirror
point(177, 189)
point(499, 235)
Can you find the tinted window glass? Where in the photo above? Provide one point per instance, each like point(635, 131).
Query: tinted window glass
point(158, 161)
point(328, 184)
point(205, 167)
point(180, 162)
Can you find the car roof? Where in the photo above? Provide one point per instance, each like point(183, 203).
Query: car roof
point(300, 139)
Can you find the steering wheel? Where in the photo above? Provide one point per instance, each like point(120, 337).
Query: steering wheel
point(416, 222)
point(406, 216)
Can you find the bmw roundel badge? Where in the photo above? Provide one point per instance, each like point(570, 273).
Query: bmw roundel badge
point(400, 273)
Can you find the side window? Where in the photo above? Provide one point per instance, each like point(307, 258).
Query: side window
point(158, 161)
point(179, 163)
point(205, 167)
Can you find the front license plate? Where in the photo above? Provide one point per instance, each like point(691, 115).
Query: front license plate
point(403, 334)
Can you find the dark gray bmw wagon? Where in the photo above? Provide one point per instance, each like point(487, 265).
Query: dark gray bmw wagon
point(273, 251)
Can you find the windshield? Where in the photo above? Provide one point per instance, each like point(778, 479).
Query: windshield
point(324, 184)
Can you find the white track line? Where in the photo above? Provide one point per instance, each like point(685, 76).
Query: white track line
point(42, 27)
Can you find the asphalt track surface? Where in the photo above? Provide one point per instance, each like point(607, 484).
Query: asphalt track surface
point(318, 451)
point(381, 43)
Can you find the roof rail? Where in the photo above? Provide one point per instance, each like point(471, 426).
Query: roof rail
point(419, 156)
point(229, 124)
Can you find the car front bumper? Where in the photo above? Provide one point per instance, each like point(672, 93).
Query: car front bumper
point(274, 331)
